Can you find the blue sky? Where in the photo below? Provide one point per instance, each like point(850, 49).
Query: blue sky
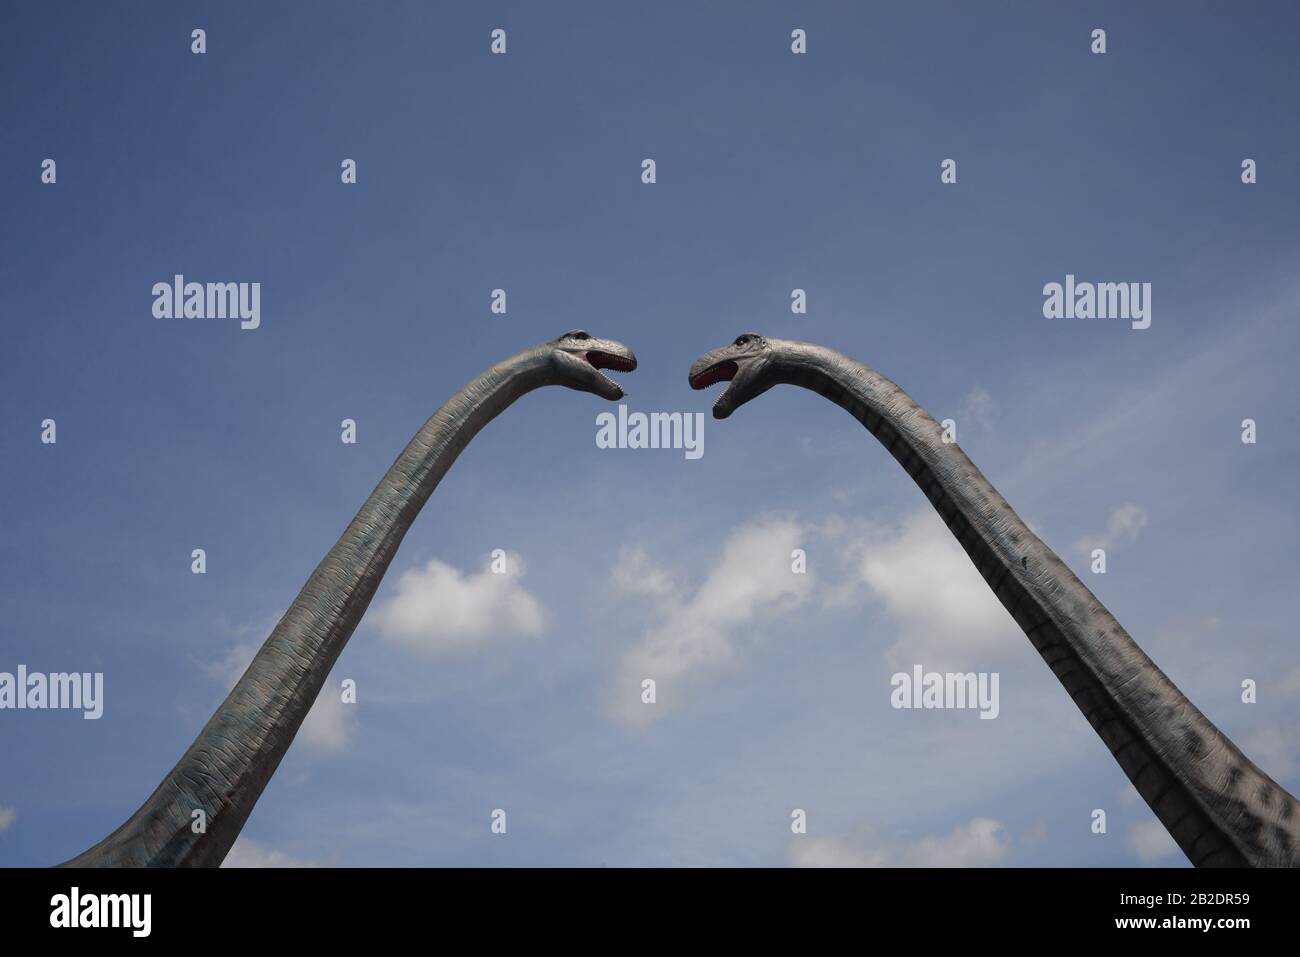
point(522, 172)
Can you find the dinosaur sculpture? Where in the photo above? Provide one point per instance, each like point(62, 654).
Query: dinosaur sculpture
point(1219, 807)
point(229, 764)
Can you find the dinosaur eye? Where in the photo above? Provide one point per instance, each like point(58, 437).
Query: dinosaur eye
point(579, 334)
point(741, 340)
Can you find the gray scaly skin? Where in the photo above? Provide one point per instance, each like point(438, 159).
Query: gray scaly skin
point(1220, 808)
point(226, 768)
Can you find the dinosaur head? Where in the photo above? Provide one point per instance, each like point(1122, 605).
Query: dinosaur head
point(578, 357)
point(748, 364)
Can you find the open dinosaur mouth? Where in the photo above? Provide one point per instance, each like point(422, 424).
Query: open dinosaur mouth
point(606, 360)
point(723, 371)
point(615, 363)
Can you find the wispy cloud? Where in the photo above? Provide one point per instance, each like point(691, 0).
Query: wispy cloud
point(1272, 750)
point(1122, 526)
point(7, 817)
point(1151, 842)
point(982, 842)
point(693, 633)
point(1107, 435)
point(977, 410)
point(246, 853)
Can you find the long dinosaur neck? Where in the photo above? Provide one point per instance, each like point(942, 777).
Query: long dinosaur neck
point(226, 768)
point(1219, 807)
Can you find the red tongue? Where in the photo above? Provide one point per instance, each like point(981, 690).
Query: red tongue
point(603, 360)
point(722, 372)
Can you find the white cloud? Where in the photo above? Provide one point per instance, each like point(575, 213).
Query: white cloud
point(1271, 750)
point(944, 609)
point(1123, 525)
point(1128, 795)
point(833, 852)
point(230, 668)
point(7, 816)
point(329, 725)
point(246, 853)
point(694, 633)
point(635, 574)
point(438, 608)
point(977, 410)
point(982, 842)
point(1150, 841)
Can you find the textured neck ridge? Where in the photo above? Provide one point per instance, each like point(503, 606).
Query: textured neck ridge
point(1219, 807)
point(229, 764)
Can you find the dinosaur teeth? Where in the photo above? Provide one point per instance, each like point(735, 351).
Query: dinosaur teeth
point(606, 360)
point(720, 372)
